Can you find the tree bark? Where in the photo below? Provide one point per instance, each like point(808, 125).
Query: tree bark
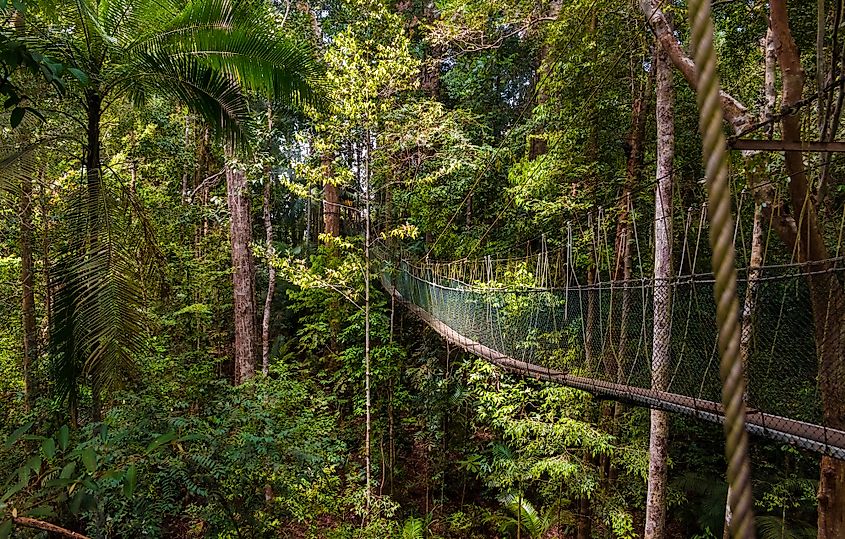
point(614, 360)
point(30, 332)
point(801, 233)
point(93, 166)
point(331, 200)
point(271, 282)
point(735, 112)
point(243, 274)
point(749, 304)
point(770, 80)
point(655, 518)
point(46, 526)
point(826, 294)
point(592, 311)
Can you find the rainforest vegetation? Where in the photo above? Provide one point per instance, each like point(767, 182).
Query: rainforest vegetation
point(199, 201)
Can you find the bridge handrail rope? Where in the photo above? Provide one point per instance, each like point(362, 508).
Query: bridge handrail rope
point(829, 265)
point(801, 433)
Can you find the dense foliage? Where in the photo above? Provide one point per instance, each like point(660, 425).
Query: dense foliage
point(144, 140)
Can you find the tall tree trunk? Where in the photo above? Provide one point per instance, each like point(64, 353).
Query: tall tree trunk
point(93, 167)
point(243, 274)
point(617, 335)
point(45, 259)
point(826, 294)
point(655, 516)
point(592, 312)
point(584, 521)
point(621, 271)
point(756, 170)
point(30, 339)
point(800, 231)
point(271, 282)
point(331, 193)
point(331, 199)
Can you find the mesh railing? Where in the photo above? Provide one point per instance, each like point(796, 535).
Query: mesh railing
point(602, 338)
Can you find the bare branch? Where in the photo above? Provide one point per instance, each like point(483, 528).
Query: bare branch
point(46, 526)
point(735, 112)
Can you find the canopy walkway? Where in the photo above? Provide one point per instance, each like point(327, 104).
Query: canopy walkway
point(598, 338)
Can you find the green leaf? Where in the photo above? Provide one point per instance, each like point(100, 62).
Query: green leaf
point(12, 491)
point(78, 75)
point(76, 502)
point(17, 116)
point(89, 459)
point(68, 470)
point(41, 512)
point(34, 463)
point(161, 440)
point(61, 482)
point(129, 481)
point(23, 474)
point(64, 436)
point(49, 447)
point(10, 441)
point(6, 529)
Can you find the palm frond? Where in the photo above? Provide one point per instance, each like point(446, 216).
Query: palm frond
point(775, 527)
point(276, 66)
point(99, 325)
point(16, 163)
point(414, 528)
point(207, 92)
point(525, 516)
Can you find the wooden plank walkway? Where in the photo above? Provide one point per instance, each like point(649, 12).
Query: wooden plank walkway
point(798, 433)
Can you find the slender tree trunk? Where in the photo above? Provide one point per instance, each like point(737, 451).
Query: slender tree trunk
point(624, 229)
point(617, 334)
point(93, 167)
point(331, 223)
point(331, 199)
point(367, 306)
point(770, 80)
point(655, 517)
point(271, 283)
point(30, 332)
point(45, 260)
point(95, 213)
point(592, 313)
point(756, 262)
point(243, 275)
point(801, 232)
point(584, 521)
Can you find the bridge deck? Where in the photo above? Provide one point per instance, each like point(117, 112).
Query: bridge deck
point(805, 435)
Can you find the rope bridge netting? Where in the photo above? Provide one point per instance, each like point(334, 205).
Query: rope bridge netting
point(600, 337)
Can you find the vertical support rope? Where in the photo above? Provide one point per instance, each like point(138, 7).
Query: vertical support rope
point(724, 270)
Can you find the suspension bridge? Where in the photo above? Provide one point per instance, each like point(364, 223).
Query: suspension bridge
point(599, 337)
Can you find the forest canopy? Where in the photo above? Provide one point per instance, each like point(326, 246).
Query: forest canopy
point(377, 268)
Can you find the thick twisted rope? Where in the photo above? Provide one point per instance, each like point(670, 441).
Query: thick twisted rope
point(724, 270)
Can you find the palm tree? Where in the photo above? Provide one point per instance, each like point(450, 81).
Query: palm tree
point(207, 54)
